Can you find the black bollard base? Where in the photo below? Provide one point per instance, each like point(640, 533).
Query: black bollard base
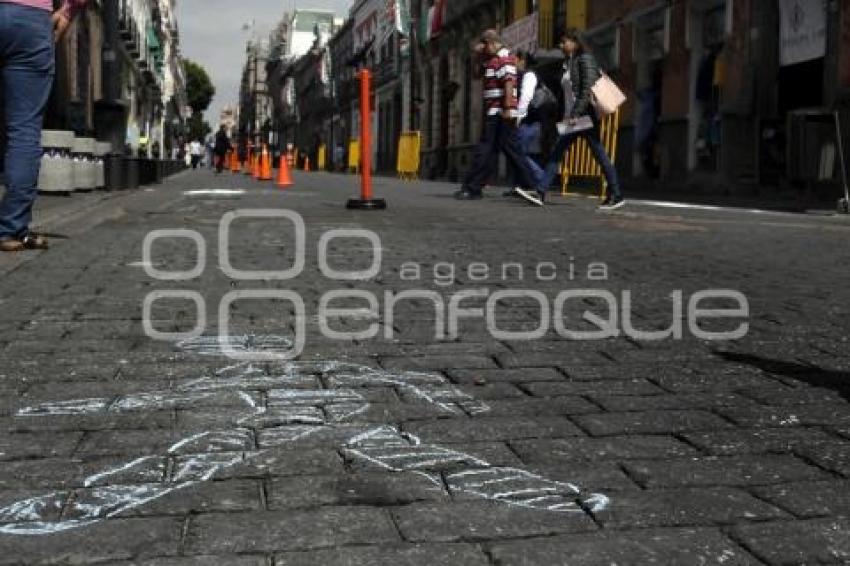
point(371, 204)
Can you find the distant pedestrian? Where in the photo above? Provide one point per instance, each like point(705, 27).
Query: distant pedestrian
point(581, 71)
point(209, 146)
point(222, 146)
point(28, 34)
point(500, 125)
point(196, 150)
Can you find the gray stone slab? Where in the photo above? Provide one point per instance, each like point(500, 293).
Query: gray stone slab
point(388, 555)
point(806, 415)
point(481, 520)
point(116, 539)
point(649, 547)
point(834, 456)
point(555, 406)
point(218, 560)
point(684, 508)
point(597, 449)
point(377, 489)
point(703, 400)
point(595, 477)
point(650, 422)
point(439, 362)
point(618, 387)
point(714, 382)
point(757, 440)
point(817, 541)
point(289, 530)
point(20, 446)
point(283, 462)
point(514, 375)
point(492, 428)
point(810, 499)
point(722, 471)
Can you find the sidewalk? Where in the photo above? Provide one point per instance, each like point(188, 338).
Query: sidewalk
point(407, 447)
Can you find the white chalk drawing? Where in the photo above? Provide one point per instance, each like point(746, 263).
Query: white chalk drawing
point(278, 405)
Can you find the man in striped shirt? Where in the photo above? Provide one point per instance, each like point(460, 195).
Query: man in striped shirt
point(28, 32)
point(500, 123)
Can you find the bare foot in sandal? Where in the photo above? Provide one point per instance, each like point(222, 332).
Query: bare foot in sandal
point(30, 242)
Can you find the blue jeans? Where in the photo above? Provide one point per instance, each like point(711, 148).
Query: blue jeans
point(527, 133)
point(497, 135)
point(27, 59)
point(563, 144)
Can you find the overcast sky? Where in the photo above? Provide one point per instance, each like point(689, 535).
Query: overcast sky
point(211, 34)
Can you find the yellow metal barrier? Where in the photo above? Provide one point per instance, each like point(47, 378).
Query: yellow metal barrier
point(579, 160)
point(409, 145)
point(322, 158)
point(354, 156)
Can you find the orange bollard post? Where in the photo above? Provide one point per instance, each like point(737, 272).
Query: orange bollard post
point(366, 200)
point(284, 178)
point(306, 164)
point(234, 162)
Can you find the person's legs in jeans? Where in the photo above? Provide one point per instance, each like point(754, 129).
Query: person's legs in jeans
point(608, 168)
point(510, 145)
point(27, 56)
point(526, 134)
point(481, 167)
point(553, 164)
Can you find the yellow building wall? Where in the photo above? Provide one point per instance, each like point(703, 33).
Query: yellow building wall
point(576, 14)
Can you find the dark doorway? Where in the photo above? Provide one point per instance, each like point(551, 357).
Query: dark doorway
point(801, 86)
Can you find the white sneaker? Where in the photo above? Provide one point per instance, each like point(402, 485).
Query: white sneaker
point(531, 196)
point(614, 204)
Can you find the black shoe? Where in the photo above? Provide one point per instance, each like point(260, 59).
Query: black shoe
point(465, 194)
point(511, 192)
point(613, 203)
point(534, 197)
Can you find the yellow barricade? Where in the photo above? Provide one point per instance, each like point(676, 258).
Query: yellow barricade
point(322, 158)
point(409, 145)
point(579, 160)
point(354, 156)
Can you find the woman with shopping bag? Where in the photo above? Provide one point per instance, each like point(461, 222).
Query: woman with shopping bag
point(588, 95)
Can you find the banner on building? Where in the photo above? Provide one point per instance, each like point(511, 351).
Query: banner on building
point(523, 33)
point(802, 31)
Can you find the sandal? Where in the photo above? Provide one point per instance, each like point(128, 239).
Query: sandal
point(29, 242)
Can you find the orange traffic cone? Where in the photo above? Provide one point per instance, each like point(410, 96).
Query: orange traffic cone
point(284, 178)
point(234, 163)
point(306, 164)
point(265, 165)
point(255, 166)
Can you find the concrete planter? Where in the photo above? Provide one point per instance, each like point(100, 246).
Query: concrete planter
point(57, 164)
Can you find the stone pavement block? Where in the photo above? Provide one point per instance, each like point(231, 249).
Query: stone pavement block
point(650, 422)
point(20, 446)
point(817, 541)
point(715, 471)
point(494, 453)
point(378, 489)
point(288, 530)
point(439, 362)
point(65, 391)
point(834, 456)
point(548, 359)
point(203, 497)
point(388, 555)
point(284, 462)
point(217, 560)
point(483, 520)
point(644, 547)
point(48, 513)
point(619, 387)
point(684, 508)
point(483, 392)
point(597, 477)
point(567, 405)
point(515, 375)
point(807, 415)
point(113, 539)
point(705, 400)
point(151, 421)
point(780, 396)
point(757, 440)
point(492, 428)
point(144, 442)
point(35, 369)
point(714, 382)
point(810, 499)
point(596, 449)
point(59, 473)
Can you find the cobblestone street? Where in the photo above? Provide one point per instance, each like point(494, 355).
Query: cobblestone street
point(433, 441)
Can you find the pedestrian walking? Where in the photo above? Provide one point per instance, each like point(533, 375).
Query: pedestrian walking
point(28, 32)
point(500, 125)
point(535, 100)
point(222, 146)
point(196, 150)
point(581, 71)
